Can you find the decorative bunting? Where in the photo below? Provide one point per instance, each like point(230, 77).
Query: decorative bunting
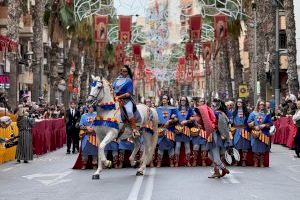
point(125, 29)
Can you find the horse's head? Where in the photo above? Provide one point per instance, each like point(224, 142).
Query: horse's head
point(97, 90)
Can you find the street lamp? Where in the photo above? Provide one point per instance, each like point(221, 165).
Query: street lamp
point(254, 70)
point(276, 75)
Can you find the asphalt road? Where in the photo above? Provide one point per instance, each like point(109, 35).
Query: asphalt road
point(51, 177)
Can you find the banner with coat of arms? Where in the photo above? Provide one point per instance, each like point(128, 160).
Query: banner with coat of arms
point(125, 28)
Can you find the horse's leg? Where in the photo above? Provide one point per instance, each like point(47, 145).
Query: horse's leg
point(137, 146)
point(101, 155)
point(146, 155)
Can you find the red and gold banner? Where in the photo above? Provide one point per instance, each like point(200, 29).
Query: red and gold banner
point(119, 53)
point(189, 50)
point(101, 28)
point(220, 26)
point(207, 50)
point(137, 51)
point(195, 28)
point(125, 29)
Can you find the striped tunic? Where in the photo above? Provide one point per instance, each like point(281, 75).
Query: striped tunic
point(24, 148)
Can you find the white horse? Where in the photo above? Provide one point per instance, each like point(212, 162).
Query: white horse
point(102, 94)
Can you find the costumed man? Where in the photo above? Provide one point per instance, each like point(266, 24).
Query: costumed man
point(260, 122)
point(24, 147)
point(182, 130)
point(240, 130)
point(166, 115)
point(123, 89)
point(216, 126)
point(88, 142)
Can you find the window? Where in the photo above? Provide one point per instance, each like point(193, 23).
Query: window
point(282, 40)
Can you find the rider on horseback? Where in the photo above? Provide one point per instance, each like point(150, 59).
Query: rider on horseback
point(123, 89)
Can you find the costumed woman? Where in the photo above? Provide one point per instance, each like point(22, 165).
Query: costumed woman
point(182, 130)
point(296, 119)
point(241, 139)
point(123, 89)
point(88, 142)
point(260, 122)
point(166, 114)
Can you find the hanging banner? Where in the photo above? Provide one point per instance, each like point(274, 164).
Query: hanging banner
point(189, 50)
point(206, 48)
point(100, 27)
point(119, 53)
point(125, 29)
point(137, 51)
point(243, 91)
point(195, 28)
point(220, 26)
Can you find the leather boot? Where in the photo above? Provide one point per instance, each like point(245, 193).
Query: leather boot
point(261, 160)
point(216, 173)
point(176, 161)
point(244, 159)
point(115, 161)
point(95, 164)
point(188, 158)
point(256, 156)
point(204, 158)
point(84, 163)
point(195, 155)
point(171, 161)
point(159, 158)
point(135, 131)
point(121, 160)
point(224, 171)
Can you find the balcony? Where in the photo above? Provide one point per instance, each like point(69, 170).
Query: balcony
point(26, 30)
point(3, 16)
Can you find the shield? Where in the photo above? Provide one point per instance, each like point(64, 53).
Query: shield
point(231, 155)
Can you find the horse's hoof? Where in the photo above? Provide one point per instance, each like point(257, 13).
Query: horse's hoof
point(96, 177)
point(138, 173)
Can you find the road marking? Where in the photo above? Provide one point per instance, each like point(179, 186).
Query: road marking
point(294, 168)
point(133, 195)
point(51, 179)
point(7, 169)
point(149, 185)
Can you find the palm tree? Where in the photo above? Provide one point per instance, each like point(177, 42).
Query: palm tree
point(14, 14)
point(38, 48)
point(234, 30)
point(293, 83)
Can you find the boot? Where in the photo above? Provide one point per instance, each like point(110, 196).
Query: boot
point(115, 161)
point(261, 160)
point(121, 160)
point(84, 163)
point(216, 173)
point(204, 158)
point(188, 158)
point(95, 164)
point(244, 159)
point(256, 156)
point(171, 161)
point(176, 161)
point(195, 154)
point(152, 161)
point(224, 172)
point(159, 158)
point(135, 131)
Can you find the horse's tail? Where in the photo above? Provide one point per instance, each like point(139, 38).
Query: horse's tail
point(154, 121)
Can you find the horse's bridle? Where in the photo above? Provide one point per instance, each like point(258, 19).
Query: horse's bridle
point(99, 90)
